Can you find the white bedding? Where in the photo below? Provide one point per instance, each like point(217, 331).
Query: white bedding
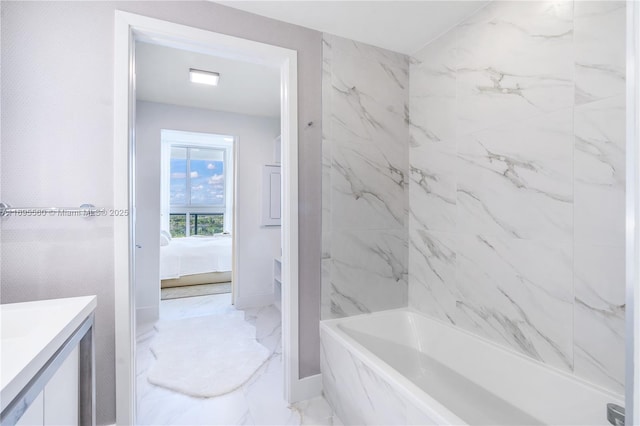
point(195, 255)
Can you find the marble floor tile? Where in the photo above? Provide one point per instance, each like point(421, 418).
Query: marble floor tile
point(260, 401)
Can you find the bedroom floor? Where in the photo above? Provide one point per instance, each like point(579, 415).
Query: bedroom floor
point(258, 402)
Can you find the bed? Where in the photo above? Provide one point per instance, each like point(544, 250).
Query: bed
point(195, 260)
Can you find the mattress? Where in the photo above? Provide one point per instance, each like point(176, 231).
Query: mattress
point(195, 255)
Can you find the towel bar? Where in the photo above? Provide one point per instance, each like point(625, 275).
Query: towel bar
point(85, 210)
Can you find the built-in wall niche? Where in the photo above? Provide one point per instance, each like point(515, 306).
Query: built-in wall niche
point(271, 195)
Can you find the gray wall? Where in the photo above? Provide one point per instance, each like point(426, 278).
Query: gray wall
point(518, 182)
point(365, 148)
point(257, 245)
point(57, 138)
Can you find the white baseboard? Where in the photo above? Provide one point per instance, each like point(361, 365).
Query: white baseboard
point(254, 300)
point(307, 388)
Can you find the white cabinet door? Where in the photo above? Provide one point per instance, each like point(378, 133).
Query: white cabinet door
point(34, 416)
point(271, 196)
point(61, 393)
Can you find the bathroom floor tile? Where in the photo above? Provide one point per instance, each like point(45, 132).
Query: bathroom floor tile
point(260, 401)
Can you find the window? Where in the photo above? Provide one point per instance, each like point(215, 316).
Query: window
point(197, 183)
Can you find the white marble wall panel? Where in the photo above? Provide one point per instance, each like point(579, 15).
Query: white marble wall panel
point(517, 180)
point(519, 293)
point(600, 172)
point(599, 34)
point(433, 187)
point(326, 149)
point(433, 92)
point(368, 271)
point(515, 62)
point(369, 133)
point(432, 270)
point(599, 315)
point(365, 178)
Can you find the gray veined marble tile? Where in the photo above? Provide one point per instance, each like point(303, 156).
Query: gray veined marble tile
point(432, 273)
point(328, 310)
point(369, 101)
point(369, 271)
point(357, 394)
point(516, 181)
point(600, 49)
point(368, 191)
point(432, 187)
point(600, 172)
point(433, 92)
point(368, 137)
point(346, 48)
point(515, 62)
point(600, 315)
point(518, 293)
point(370, 113)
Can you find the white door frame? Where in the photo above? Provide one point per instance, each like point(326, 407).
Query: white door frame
point(632, 335)
point(129, 28)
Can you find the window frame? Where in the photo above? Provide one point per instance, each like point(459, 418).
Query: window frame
point(186, 139)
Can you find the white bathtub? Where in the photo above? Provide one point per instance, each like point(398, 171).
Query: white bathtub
point(399, 367)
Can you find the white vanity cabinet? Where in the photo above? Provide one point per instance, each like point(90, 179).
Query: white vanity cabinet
point(34, 414)
point(47, 355)
point(58, 404)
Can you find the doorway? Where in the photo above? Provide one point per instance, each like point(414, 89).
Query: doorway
point(129, 29)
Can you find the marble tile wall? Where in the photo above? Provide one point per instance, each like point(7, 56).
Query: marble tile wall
point(516, 182)
point(365, 178)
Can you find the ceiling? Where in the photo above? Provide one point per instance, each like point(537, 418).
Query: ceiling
point(162, 75)
point(401, 26)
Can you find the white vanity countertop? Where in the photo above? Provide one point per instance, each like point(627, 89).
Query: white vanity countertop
point(31, 332)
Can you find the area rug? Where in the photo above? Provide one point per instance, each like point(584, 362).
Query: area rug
point(206, 356)
point(194, 290)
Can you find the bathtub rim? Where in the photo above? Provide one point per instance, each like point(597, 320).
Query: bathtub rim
point(406, 386)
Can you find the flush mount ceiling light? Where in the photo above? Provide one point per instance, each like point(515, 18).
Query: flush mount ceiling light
point(204, 77)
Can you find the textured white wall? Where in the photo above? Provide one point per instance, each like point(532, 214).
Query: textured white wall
point(57, 149)
point(257, 245)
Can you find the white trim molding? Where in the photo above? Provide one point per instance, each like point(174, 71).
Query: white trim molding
point(632, 376)
point(308, 387)
point(128, 29)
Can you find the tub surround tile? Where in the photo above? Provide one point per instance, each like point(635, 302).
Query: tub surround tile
point(518, 293)
point(368, 271)
point(432, 98)
point(599, 315)
point(368, 192)
point(432, 270)
point(517, 158)
point(599, 152)
point(600, 53)
point(433, 187)
point(515, 62)
point(513, 158)
point(369, 141)
point(365, 178)
point(515, 180)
